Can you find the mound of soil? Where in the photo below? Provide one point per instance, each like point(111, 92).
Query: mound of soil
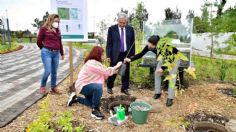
point(228, 91)
point(109, 103)
point(201, 118)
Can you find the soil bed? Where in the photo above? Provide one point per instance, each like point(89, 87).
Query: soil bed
point(228, 91)
point(203, 121)
point(203, 96)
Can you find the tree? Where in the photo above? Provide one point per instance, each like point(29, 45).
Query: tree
point(199, 25)
point(175, 16)
point(38, 23)
point(170, 15)
point(190, 14)
point(226, 22)
point(103, 30)
point(220, 7)
point(139, 16)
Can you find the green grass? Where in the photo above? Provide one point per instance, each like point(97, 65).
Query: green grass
point(206, 69)
point(82, 46)
point(227, 51)
point(5, 47)
point(213, 69)
point(24, 40)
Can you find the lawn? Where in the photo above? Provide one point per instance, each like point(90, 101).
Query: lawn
point(215, 69)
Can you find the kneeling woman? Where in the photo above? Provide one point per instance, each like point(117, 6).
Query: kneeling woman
point(90, 81)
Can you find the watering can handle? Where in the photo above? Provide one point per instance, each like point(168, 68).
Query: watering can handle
point(130, 49)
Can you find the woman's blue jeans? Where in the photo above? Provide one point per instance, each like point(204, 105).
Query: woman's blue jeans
point(93, 93)
point(50, 61)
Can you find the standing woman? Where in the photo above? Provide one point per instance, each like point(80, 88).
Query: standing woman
point(49, 41)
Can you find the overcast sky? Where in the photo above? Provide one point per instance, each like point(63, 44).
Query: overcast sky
point(22, 13)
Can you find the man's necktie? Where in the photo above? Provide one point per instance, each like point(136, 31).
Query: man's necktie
point(122, 47)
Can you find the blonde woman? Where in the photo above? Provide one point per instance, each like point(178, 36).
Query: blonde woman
point(49, 41)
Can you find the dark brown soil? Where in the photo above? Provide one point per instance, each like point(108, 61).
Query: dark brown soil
point(109, 103)
point(228, 91)
point(202, 116)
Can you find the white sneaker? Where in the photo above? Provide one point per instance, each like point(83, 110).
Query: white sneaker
point(97, 115)
point(71, 99)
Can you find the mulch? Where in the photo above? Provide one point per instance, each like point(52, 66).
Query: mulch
point(202, 97)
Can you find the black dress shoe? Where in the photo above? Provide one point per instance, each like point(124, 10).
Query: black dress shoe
point(169, 102)
point(125, 92)
point(157, 96)
point(109, 91)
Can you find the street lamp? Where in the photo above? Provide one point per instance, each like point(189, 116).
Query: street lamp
point(8, 31)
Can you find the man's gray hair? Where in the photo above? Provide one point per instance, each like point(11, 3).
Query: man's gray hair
point(122, 15)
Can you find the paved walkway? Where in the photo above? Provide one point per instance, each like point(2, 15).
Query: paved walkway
point(20, 74)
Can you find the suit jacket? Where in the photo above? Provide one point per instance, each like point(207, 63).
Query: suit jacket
point(114, 43)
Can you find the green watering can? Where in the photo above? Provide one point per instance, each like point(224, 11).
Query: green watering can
point(120, 114)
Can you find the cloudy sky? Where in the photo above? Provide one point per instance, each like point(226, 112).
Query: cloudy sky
point(21, 13)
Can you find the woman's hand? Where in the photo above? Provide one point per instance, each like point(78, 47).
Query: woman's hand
point(119, 64)
point(127, 60)
point(62, 57)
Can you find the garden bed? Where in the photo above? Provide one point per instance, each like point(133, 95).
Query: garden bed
point(202, 121)
point(228, 91)
point(200, 97)
point(19, 47)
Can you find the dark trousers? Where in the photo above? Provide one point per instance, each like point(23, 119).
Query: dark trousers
point(93, 94)
point(124, 79)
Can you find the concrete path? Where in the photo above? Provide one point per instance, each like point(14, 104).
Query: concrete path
point(20, 74)
point(217, 56)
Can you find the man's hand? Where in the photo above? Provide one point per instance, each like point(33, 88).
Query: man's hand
point(109, 60)
point(159, 71)
point(62, 57)
point(127, 60)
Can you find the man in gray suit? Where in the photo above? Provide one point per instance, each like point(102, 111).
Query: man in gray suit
point(120, 39)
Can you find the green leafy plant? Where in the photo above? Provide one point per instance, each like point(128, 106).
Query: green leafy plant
point(79, 129)
point(5, 47)
point(42, 124)
point(223, 70)
point(64, 121)
point(234, 91)
point(165, 51)
point(178, 121)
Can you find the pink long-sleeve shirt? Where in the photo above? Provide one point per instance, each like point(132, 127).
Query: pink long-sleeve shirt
point(92, 72)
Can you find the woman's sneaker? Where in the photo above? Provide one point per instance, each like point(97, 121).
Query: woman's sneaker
point(55, 91)
point(97, 114)
point(42, 90)
point(72, 99)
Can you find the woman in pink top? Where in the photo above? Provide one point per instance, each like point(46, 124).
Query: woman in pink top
point(90, 81)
